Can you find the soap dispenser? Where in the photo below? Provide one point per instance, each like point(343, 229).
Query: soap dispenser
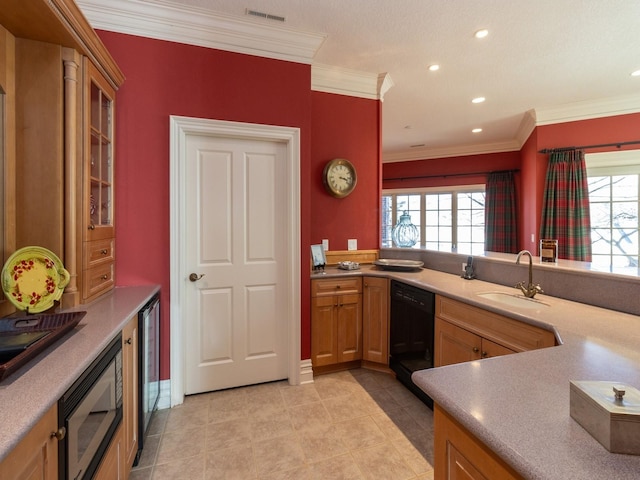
point(468, 269)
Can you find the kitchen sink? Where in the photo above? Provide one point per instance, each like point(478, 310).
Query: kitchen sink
point(513, 300)
point(23, 338)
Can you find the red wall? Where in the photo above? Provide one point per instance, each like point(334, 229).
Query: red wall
point(163, 79)
point(446, 171)
point(353, 134)
point(534, 168)
point(166, 78)
point(621, 128)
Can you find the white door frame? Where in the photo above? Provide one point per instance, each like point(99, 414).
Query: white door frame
point(180, 127)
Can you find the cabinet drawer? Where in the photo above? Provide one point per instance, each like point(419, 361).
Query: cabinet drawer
point(515, 335)
point(98, 252)
point(98, 279)
point(333, 286)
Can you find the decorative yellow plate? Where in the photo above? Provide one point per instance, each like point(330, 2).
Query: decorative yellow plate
point(33, 279)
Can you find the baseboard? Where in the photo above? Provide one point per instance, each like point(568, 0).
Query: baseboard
point(306, 376)
point(306, 371)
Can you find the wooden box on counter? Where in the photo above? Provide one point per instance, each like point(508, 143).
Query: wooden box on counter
point(610, 412)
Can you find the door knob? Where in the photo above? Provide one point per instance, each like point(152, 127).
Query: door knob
point(194, 277)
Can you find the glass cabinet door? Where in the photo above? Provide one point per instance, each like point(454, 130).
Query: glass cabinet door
point(101, 111)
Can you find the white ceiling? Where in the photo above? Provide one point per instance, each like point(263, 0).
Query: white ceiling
point(546, 57)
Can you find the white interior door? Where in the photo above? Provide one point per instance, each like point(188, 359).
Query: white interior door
point(236, 240)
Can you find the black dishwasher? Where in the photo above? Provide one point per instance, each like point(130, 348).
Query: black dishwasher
point(411, 334)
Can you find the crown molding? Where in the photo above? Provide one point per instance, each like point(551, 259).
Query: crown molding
point(163, 20)
point(586, 110)
point(526, 128)
point(446, 152)
point(385, 82)
point(329, 79)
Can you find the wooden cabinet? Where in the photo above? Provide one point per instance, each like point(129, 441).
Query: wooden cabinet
point(336, 321)
point(375, 320)
point(456, 345)
point(36, 456)
point(130, 393)
point(464, 332)
point(59, 84)
point(458, 455)
point(113, 465)
point(96, 200)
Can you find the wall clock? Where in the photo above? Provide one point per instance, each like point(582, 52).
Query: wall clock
point(339, 177)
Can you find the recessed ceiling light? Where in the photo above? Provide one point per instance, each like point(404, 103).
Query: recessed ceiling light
point(636, 73)
point(478, 100)
point(476, 130)
point(434, 67)
point(481, 33)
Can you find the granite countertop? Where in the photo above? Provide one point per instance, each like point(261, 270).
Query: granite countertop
point(518, 405)
point(29, 393)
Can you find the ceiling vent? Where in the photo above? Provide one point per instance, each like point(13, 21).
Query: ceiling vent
point(268, 16)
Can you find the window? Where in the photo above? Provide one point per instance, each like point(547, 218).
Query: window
point(449, 220)
point(614, 198)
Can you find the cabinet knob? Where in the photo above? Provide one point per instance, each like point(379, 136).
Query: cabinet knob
point(484, 354)
point(92, 226)
point(104, 251)
point(60, 433)
point(104, 277)
point(476, 349)
point(128, 341)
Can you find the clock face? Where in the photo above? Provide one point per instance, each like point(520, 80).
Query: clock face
point(339, 177)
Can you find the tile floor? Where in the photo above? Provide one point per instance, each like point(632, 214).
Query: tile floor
point(351, 425)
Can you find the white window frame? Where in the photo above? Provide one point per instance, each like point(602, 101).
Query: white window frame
point(615, 163)
point(453, 190)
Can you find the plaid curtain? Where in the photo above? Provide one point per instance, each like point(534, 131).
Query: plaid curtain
point(565, 209)
point(500, 226)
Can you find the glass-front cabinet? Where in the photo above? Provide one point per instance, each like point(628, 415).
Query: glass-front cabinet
point(101, 109)
point(98, 209)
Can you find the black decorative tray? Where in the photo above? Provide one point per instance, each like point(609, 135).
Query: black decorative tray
point(23, 338)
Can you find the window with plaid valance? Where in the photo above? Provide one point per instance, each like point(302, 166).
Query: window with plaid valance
point(565, 209)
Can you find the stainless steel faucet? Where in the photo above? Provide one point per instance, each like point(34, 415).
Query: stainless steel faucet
point(530, 290)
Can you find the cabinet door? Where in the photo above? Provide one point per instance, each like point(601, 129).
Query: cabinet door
point(460, 468)
point(454, 344)
point(36, 456)
point(112, 465)
point(130, 392)
point(324, 334)
point(459, 455)
point(492, 349)
point(349, 327)
point(375, 320)
point(99, 157)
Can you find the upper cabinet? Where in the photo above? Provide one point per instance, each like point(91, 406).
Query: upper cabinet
point(59, 86)
point(97, 225)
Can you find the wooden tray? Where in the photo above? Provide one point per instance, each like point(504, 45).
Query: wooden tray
point(56, 324)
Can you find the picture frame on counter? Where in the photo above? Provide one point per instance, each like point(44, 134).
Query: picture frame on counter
point(318, 258)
